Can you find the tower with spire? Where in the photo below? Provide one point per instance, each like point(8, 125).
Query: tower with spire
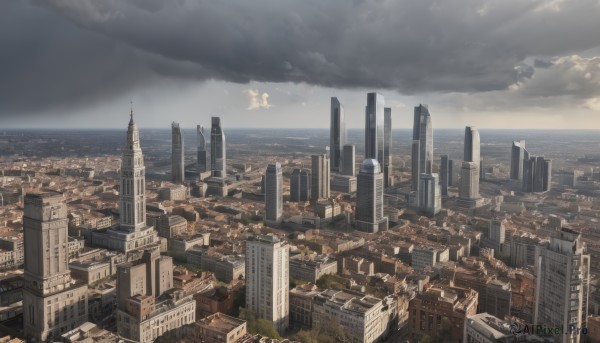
point(132, 200)
point(132, 233)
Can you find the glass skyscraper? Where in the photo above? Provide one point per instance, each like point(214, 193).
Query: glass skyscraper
point(337, 135)
point(374, 132)
point(177, 161)
point(217, 149)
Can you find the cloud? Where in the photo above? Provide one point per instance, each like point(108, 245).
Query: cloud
point(257, 100)
point(78, 52)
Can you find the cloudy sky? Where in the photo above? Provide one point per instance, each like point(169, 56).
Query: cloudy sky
point(276, 63)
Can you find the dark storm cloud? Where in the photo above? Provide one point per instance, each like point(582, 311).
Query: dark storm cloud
point(76, 51)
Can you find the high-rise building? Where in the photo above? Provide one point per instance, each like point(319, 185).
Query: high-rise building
point(300, 185)
point(273, 194)
point(202, 165)
point(218, 152)
point(469, 181)
point(267, 280)
point(337, 135)
point(517, 156)
point(369, 198)
point(537, 174)
point(422, 146)
point(177, 161)
point(132, 191)
point(451, 173)
point(132, 232)
point(472, 145)
point(387, 151)
point(430, 200)
point(445, 175)
point(562, 285)
point(52, 302)
point(320, 185)
point(349, 167)
point(374, 132)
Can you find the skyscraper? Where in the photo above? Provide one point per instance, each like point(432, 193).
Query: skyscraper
point(52, 303)
point(562, 284)
point(267, 280)
point(517, 156)
point(472, 145)
point(202, 167)
point(430, 200)
point(319, 187)
point(132, 232)
point(422, 147)
point(177, 161)
point(337, 135)
point(469, 181)
point(273, 194)
point(218, 154)
point(300, 185)
point(374, 133)
point(445, 175)
point(537, 174)
point(349, 167)
point(369, 198)
point(132, 193)
point(387, 152)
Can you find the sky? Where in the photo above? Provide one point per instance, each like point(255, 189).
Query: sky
point(522, 64)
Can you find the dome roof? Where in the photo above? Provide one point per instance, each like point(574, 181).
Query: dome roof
point(370, 166)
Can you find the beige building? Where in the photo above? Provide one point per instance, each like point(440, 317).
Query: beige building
point(312, 268)
point(219, 328)
point(267, 280)
point(148, 306)
point(132, 233)
point(53, 303)
point(364, 318)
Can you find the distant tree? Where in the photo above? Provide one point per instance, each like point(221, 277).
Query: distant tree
point(328, 331)
point(259, 326)
point(443, 335)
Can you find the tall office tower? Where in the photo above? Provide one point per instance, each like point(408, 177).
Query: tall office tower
point(469, 181)
point(497, 231)
point(472, 145)
point(537, 174)
point(132, 193)
point(562, 284)
point(445, 175)
point(430, 200)
point(387, 151)
point(52, 302)
point(349, 167)
point(452, 173)
point(218, 152)
point(273, 194)
point(267, 280)
point(300, 185)
point(517, 157)
point(319, 187)
point(177, 165)
point(422, 147)
point(369, 198)
point(337, 135)
point(202, 167)
point(374, 133)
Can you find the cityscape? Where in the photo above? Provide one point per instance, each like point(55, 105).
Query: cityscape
point(335, 171)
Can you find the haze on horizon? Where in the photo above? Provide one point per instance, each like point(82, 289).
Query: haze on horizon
point(269, 63)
